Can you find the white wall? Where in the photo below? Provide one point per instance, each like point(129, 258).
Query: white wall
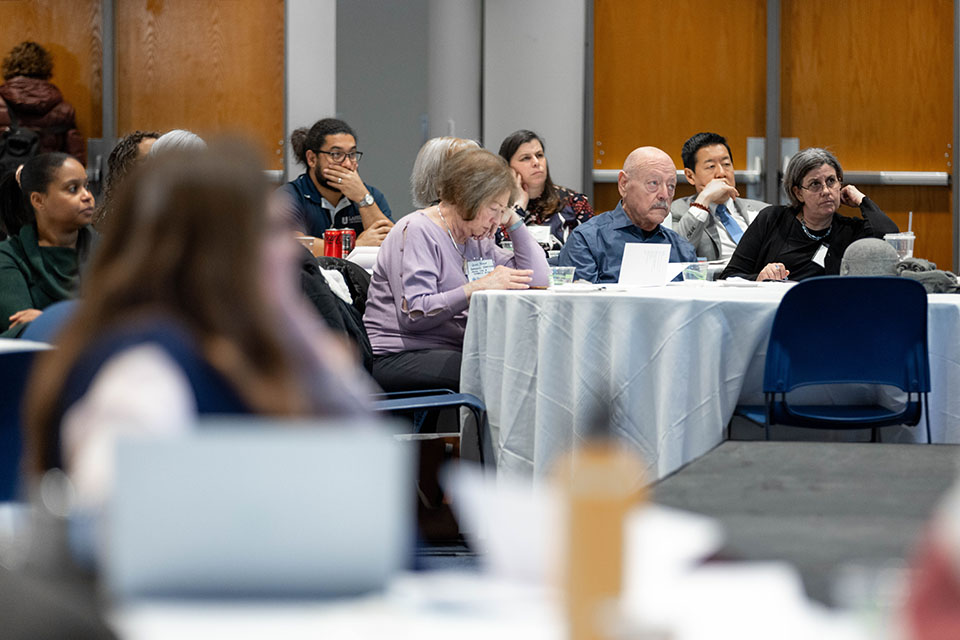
point(533, 70)
point(407, 58)
point(382, 89)
point(454, 63)
point(310, 70)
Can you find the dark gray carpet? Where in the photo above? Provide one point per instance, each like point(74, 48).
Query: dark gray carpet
point(815, 505)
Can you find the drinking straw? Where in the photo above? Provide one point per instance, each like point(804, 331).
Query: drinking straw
point(910, 222)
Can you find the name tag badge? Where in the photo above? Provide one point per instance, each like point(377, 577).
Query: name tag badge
point(820, 255)
point(476, 269)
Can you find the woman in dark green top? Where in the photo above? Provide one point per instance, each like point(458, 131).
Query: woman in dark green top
point(46, 209)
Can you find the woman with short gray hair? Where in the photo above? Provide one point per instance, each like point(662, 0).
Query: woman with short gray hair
point(425, 178)
point(177, 140)
point(808, 237)
point(431, 263)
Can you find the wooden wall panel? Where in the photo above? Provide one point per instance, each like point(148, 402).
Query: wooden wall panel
point(873, 81)
point(212, 67)
point(663, 73)
point(70, 30)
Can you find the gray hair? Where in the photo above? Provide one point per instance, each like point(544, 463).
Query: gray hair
point(179, 140)
point(869, 257)
point(803, 163)
point(471, 179)
point(425, 179)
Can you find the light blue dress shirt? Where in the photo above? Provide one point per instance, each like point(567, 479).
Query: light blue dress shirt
point(595, 248)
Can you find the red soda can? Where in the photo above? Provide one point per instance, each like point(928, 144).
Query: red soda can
point(331, 243)
point(348, 239)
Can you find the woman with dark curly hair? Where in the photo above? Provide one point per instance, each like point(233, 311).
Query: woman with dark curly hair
point(129, 150)
point(37, 103)
point(557, 210)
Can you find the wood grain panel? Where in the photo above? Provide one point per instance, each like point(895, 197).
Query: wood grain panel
point(214, 67)
point(663, 73)
point(873, 81)
point(931, 218)
point(71, 31)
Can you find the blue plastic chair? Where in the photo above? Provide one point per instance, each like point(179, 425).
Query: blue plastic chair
point(412, 402)
point(14, 369)
point(842, 330)
point(49, 323)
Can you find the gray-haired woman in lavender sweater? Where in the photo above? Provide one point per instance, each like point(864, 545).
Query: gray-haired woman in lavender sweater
point(433, 260)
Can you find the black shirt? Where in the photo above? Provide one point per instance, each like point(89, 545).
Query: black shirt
point(776, 236)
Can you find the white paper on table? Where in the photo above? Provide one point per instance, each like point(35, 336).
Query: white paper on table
point(647, 265)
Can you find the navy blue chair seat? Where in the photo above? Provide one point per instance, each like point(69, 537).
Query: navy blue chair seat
point(417, 402)
point(15, 364)
point(841, 330)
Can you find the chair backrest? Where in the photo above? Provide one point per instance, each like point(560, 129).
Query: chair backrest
point(836, 329)
point(15, 361)
point(49, 323)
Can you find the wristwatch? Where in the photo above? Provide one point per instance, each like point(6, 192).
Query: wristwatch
point(367, 201)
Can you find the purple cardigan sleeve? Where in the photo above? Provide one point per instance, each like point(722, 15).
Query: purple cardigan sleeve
point(426, 276)
point(526, 254)
point(421, 272)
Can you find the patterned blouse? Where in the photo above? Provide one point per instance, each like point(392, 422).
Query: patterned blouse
point(572, 210)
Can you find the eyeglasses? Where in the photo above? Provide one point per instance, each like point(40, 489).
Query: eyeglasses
point(653, 186)
point(816, 186)
point(339, 156)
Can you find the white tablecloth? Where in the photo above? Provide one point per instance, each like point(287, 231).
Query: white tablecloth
point(668, 364)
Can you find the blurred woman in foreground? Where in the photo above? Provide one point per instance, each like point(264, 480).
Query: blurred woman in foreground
point(180, 319)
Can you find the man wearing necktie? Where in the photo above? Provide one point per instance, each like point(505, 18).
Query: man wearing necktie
point(713, 219)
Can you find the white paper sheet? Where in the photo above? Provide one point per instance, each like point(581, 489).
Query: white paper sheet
point(647, 265)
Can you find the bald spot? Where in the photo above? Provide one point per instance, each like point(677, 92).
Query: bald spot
point(647, 157)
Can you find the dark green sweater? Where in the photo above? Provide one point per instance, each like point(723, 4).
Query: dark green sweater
point(34, 277)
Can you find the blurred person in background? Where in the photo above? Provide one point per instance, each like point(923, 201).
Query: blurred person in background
point(176, 140)
point(129, 150)
point(179, 319)
point(47, 209)
point(37, 103)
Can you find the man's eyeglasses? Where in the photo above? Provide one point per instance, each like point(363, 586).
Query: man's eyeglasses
point(339, 156)
point(816, 186)
point(653, 186)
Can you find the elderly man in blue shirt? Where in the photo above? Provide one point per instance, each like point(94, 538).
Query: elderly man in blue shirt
point(646, 184)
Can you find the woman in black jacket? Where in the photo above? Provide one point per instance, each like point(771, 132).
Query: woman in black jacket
point(808, 237)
